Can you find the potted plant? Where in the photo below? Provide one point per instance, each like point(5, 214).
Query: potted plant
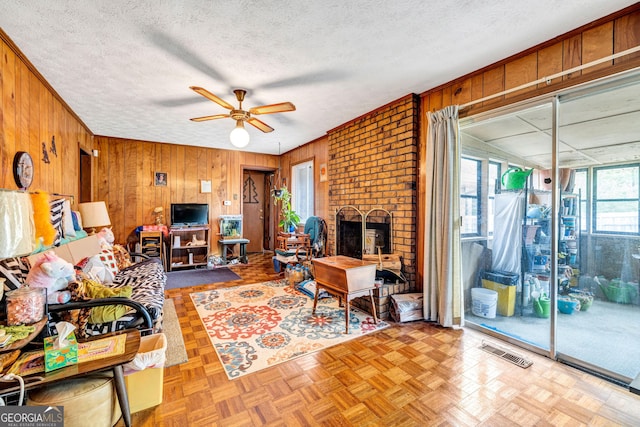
point(289, 219)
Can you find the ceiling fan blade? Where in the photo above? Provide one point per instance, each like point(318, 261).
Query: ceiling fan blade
point(212, 97)
point(259, 124)
point(282, 107)
point(205, 118)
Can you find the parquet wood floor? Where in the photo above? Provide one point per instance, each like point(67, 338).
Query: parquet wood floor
point(414, 374)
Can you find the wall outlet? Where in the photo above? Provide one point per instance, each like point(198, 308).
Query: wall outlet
point(227, 202)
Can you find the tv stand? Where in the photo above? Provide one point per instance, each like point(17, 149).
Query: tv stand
point(188, 246)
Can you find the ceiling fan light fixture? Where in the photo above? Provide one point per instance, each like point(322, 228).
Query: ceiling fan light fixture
point(239, 136)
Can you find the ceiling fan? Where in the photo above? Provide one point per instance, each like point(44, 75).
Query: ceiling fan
point(239, 136)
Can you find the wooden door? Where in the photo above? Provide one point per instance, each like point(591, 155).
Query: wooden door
point(253, 205)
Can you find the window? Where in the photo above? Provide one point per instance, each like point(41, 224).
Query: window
point(580, 188)
point(470, 172)
point(302, 196)
point(616, 201)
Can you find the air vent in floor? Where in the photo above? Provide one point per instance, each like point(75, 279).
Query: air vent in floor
point(506, 354)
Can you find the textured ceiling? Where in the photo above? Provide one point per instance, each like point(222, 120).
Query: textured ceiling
point(125, 67)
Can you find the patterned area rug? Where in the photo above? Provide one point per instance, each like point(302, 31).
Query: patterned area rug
point(253, 327)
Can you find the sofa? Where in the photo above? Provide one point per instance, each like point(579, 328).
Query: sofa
point(147, 280)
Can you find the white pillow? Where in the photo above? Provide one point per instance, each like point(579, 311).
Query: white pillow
point(97, 270)
point(67, 220)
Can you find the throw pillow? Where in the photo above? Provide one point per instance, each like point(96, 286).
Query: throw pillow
point(55, 207)
point(123, 259)
point(96, 270)
point(15, 271)
point(67, 220)
point(77, 221)
point(109, 260)
point(45, 233)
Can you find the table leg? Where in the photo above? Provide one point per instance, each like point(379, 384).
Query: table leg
point(224, 254)
point(315, 299)
point(373, 308)
point(346, 313)
point(243, 253)
point(121, 391)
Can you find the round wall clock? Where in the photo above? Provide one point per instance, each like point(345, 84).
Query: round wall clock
point(23, 169)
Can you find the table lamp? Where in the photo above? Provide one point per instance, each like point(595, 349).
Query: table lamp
point(94, 215)
point(158, 214)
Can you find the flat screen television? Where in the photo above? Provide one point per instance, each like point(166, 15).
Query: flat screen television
point(188, 214)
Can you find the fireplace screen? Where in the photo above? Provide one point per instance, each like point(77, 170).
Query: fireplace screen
point(359, 234)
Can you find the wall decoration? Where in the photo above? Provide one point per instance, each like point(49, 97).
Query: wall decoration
point(323, 172)
point(23, 169)
point(161, 179)
point(205, 186)
point(45, 154)
point(53, 148)
point(249, 191)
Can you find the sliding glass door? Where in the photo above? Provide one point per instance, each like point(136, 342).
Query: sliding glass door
point(506, 210)
point(599, 136)
point(551, 225)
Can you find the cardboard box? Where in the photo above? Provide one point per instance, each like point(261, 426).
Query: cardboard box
point(61, 357)
point(73, 251)
point(504, 283)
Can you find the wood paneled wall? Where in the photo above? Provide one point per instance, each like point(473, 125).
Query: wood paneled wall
point(33, 114)
point(612, 34)
point(125, 180)
point(318, 150)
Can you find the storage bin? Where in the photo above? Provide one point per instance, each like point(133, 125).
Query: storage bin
point(483, 302)
point(146, 373)
point(504, 283)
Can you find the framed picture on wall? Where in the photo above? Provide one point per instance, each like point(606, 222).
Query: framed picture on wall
point(323, 172)
point(161, 179)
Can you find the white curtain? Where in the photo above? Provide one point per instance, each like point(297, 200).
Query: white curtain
point(442, 266)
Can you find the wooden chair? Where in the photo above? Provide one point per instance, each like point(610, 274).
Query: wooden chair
point(292, 248)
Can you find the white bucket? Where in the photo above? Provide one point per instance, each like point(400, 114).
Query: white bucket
point(484, 302)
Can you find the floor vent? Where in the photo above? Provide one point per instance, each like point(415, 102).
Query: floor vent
point(506, 354)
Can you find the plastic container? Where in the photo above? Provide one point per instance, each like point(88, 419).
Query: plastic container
point(25, 305)
point(542, 307)
point(504, 283)
point(585, 298)
point(568, 305)
point(484, 302)
point(146, 373)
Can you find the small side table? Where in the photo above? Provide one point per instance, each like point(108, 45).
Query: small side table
point(348, 278)
point(230, 243)
point(113, 363)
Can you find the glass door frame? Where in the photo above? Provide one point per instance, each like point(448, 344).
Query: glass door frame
point(555, 99)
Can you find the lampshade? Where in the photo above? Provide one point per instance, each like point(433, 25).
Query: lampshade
point(239, 136)
point(94, 214)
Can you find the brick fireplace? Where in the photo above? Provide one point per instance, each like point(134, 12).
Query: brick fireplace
point(372, 165)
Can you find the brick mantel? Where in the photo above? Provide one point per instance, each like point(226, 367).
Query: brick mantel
point(373, 163)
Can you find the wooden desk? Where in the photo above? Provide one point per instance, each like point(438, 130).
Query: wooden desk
point(347, 278)
point(113, 363)
point(230, 243)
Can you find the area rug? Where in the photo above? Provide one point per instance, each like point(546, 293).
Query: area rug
point(176, 351)
point(253, 327)
point(201, 276)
